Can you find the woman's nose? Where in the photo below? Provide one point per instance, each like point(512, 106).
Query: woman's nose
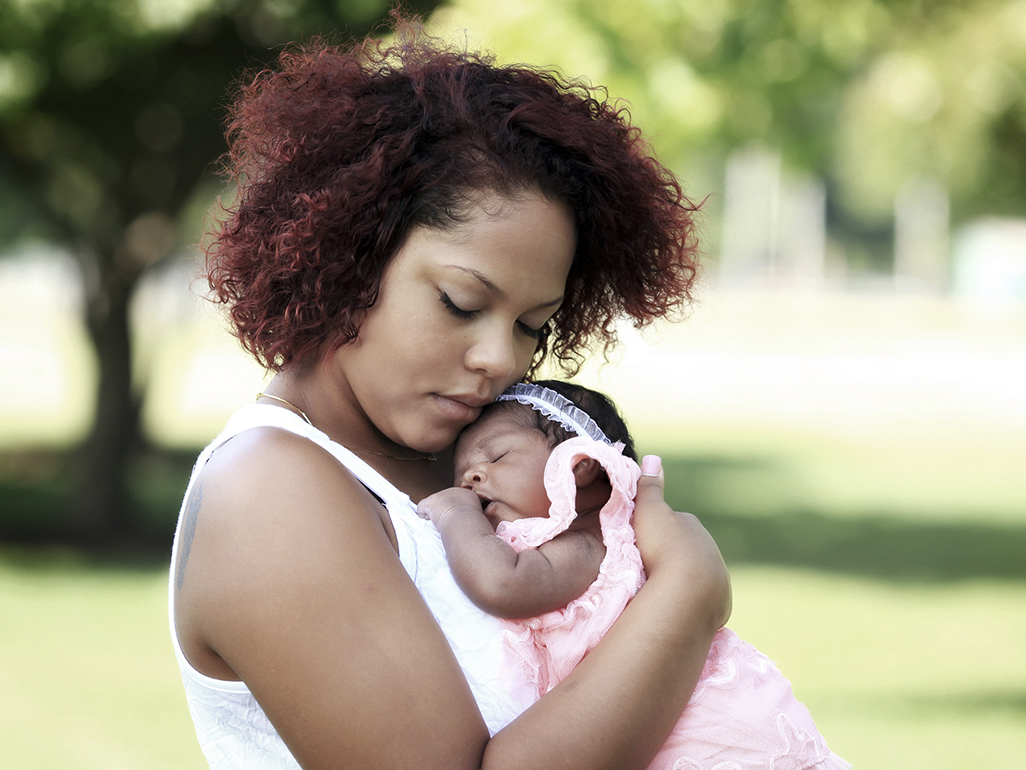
point(494, 354)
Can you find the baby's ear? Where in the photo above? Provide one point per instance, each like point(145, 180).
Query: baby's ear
point(586, 471)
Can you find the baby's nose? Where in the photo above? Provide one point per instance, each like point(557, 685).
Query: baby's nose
point(472, 477)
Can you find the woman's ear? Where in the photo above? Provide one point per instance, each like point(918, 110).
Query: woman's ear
point(586, 471)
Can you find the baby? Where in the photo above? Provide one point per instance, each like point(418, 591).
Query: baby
point(537, 532)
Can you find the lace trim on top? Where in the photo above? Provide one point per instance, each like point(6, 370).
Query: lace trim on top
point(557, 408)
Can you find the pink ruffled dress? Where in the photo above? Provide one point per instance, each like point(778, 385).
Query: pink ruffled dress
point(742, 715)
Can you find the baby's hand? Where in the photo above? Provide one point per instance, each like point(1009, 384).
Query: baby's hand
point(450, 501)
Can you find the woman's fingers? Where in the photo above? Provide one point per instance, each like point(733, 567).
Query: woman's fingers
point(652, 465)
point(651, 513)
point(651, 483)
point(678, 540)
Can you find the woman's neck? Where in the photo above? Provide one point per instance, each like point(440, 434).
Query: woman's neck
point(328, 409)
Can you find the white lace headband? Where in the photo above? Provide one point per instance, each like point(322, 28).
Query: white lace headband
point(556, 407)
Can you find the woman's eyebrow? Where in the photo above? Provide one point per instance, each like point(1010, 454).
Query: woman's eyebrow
point(492, 288)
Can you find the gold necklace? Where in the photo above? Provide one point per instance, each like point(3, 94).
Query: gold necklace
point(286, 402)
point(429, 457)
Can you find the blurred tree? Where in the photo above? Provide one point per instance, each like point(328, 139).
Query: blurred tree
point(946, 101)
point(109, 120)
point(868, 94)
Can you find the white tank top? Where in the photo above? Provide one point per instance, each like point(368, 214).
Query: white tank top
point(233, 730)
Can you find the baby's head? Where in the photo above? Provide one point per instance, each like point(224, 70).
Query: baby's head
point(501, 457)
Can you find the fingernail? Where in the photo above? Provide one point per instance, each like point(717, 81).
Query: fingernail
point(650, 465)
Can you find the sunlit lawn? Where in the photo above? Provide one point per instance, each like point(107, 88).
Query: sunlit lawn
point(87, 674)
point(879, 557)
point(902, 626)
point(901, 622)
point(887, 578)
point(897, 676)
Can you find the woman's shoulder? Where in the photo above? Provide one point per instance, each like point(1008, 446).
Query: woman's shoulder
point(268, 503)
point(265, 455)
point(261, 447)
point(264, 472)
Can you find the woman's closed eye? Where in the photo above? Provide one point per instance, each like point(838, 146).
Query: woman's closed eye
point(455, 309)
point(535, 334)
point(465, 315)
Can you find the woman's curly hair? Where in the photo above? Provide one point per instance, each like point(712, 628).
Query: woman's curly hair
point(339, 152)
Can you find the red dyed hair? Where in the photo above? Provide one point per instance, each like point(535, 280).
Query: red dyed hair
point(339, 152)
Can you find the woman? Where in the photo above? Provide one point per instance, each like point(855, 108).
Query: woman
point(416, 230)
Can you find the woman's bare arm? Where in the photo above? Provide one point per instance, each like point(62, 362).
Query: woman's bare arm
point(292, 581)
point(496, 577)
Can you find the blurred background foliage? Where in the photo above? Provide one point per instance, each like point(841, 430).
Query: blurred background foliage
point(865, 94)
point(110, 129)
point(845, 408)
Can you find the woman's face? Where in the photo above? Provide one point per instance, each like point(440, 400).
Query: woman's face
point(457, 318)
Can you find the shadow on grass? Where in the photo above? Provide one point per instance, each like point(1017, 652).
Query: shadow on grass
point(880, 544)
point(753, 507)
point(874, 545)
point(927, 706)
point(973, 703)
point(35, 490)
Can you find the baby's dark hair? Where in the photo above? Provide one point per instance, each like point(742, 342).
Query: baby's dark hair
point(597, 406)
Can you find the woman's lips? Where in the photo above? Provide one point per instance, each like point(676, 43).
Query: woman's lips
point(460, 409)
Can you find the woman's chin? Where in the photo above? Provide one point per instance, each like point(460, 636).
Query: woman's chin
point(434, 443)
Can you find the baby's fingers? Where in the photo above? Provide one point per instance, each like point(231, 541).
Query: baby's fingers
point(433, 504)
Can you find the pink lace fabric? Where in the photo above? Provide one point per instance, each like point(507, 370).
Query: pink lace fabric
point(742, 715)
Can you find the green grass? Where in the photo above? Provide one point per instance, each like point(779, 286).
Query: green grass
point(879, 558)
point(933, 473)
point(87, 672)
point(889, 585)
point(897, 675)
point(889, 589)
point(880, 562)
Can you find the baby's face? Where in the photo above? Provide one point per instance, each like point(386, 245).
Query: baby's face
point(503, 463)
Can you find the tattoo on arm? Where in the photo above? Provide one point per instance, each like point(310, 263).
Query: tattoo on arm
point(188, 532)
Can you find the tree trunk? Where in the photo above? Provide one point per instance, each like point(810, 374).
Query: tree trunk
point(100, 506)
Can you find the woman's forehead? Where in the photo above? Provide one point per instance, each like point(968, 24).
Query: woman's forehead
point(529, 232)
